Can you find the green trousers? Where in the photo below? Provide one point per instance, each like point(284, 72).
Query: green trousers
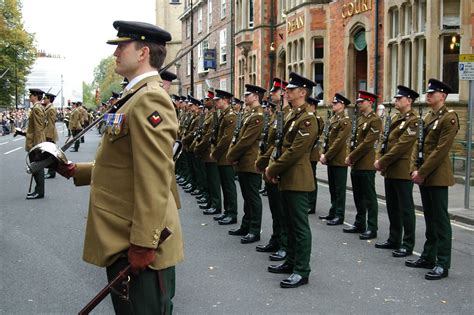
point(313, 195)
point(437, 248)
point(201, 177)
point(214, 185)
point(365, 199)
point(250, 185)
point(337, 178)
point(295, 214)
point(151, 291)
point(280, 234)
point(401, 212)
point(39, 181)
point(226, 175)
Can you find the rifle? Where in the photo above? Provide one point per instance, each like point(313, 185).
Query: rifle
point(354, 128)
point(279, 129)
point(119, 284)
point(326, 131)
point(238, 124)
point(215, 127)
point(264, 136)
point(198, 133)
point(386, 131)
point(421, 136)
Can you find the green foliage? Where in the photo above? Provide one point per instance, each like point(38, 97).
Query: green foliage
point(88, 95)
point(106, 78)
point(17, 52)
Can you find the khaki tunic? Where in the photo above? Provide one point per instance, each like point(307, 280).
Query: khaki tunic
point(339, 133)
point(202, 149)
point(50, 131)
point(440, 130)
point(245, 151)
point(402, 138)
point(131, 199)
point(293, 166)
point(188, 136)
point(368, 131)
point(227, 121)
point(315, 152)
point(35, 128)
point(75, 121)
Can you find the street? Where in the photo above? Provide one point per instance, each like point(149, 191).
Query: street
point(42, 271)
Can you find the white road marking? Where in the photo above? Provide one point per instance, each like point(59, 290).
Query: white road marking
point(12, 150)
point(17, 139)
point(2, 143)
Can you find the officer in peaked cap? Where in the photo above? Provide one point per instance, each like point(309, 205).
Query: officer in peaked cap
point(335, 153)
point(51, 134)
point(433, 173)
point(361, 159)
point(292, 170)
point(35, 135)
point(142, 227)
point(394, 163)
point(278, 84)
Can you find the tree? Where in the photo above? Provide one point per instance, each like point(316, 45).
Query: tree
point(17, 52)
point(88, 95)
point(106, 78)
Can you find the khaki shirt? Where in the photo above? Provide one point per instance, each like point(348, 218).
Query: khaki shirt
point(245, 151)
point(35, 128)
point(339, 133)
point(402, 137)
point(368, 131)
point(131, 199)
point(227, 121)
point(293, 166)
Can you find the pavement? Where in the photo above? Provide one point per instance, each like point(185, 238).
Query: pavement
point(456, 208)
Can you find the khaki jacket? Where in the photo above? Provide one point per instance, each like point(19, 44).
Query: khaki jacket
point(35, 128)
point(75, 121)
point(440, 129)
point(50, 132)
point(227, 121)
point(315, 152)
point(368, 131)
point(245, 151)
point(293, 166)
point(202, 149)
point(401, 140)
point(131, 199)
point(339, 133)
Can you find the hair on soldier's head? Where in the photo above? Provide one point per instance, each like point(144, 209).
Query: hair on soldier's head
point(157, 53)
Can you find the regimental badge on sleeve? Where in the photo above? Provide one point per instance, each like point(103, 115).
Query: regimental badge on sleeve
point(154, 119)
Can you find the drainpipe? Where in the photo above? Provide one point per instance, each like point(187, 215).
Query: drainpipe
point(272, 34)
point(377, 57)
point(232, 46)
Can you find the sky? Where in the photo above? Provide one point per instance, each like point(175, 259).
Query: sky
point(78, 29)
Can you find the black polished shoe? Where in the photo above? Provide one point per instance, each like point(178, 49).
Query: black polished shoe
point(401, 252)
point(238, 232)
point(353, 229)
point(49, 175)
point(294, 281)
point(227, 221)
point(219, 217)
point(335, 221)
point(267, 248)
point(196, 192)
point(250, 238)
point(278, 255)
point(386, 245)
point(368, 235)
point(204, 207)
point(188, 190)
point(281, 268)
point(202, 201)
point(326, 217)
point(34, 196)
point(188, 186)
point(73, 150)
point(212, 211)
point(419, 263)
point(437, 273)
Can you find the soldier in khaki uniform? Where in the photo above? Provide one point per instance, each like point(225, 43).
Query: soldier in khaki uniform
point(84, 117)
point(361, 159)
point(226, 122)
point(51, 133)
point(242, 154)
point(335, 153)
point(187, 139)
point(132, 209)
point(293, 169)
point(75, 124)
point(315, 155)
point(394, 164)
point(279, 108)
point(433, 173)
point(34, 136)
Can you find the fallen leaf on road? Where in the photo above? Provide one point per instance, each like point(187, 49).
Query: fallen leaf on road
point(444, 302)
point(203, 224)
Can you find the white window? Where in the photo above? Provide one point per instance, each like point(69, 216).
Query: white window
point(223, 46)
point(223, 9)
point(395, 29)
point(421, 67)
point(199, 91)
point(188, 28)
point(394, 68)
point(174, 1)
point(450, 48)
point(209, 14)
point(200, 20)
point(421, 9)
point(295, 57)
point(223, 84)
point(406, 45)
point(203, 46)
point(250, 14)
point(188, 64)
point(450, 18)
